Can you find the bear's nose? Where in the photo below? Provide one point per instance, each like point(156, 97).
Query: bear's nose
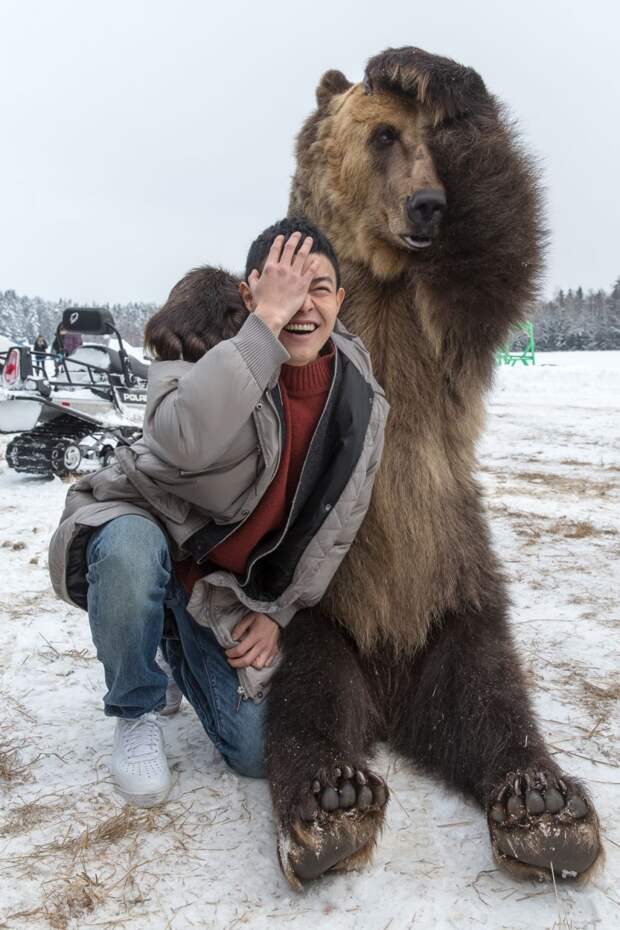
point(426, 208)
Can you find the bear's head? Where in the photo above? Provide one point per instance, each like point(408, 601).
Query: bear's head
point(415, 167)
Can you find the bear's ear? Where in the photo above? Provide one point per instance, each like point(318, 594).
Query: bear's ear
point(333, 82)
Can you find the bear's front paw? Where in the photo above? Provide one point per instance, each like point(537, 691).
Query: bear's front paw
point(543, 825)
point(445, 87)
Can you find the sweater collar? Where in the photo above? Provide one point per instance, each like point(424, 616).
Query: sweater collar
point(313, 378)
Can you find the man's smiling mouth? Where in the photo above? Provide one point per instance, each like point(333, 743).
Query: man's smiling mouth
point(301, 329)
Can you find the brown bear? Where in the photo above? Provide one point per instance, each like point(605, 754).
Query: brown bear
point(434, 210)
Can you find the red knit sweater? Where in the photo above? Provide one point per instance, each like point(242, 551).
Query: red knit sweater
point(304, 391)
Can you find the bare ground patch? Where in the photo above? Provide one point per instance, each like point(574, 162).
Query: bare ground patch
point(601, 696)
point(597, 696)
point(26, 607)
point(13, 769)
point(32, 814)
point(570, 530)
point(52, 653)
point(533, 526)
point(112, 866)
point(99, 865)
point(541, 482)
point(66, 900)
point(576, 463)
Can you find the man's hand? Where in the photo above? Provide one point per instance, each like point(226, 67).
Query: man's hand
point(258, 637)
point(280, 291)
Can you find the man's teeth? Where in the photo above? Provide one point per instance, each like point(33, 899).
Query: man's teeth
point(301, 327)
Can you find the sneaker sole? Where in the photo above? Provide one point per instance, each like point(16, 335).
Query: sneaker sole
point(143, 800)
point(171, 709)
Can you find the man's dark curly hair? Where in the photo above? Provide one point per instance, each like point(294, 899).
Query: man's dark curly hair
point(259, 249)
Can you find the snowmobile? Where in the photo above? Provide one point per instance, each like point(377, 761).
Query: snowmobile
point(71, 412)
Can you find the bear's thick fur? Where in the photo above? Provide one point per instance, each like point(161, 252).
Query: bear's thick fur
point(433, 207)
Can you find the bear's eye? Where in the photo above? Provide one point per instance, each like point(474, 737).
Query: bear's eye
point(384, 136)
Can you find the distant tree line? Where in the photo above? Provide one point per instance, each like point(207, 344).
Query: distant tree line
point(574, 320)
point(571, 321)
point(23, 318)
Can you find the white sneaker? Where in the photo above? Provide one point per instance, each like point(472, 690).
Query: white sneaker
point(174, 695)
point(139, 763)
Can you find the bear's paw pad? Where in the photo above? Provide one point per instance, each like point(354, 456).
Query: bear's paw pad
point(342, 842)
point(335, 825)
point(543, 826)
point(342, 787)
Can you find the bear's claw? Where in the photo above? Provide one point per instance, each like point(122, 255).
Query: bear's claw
point(344, 788)
point(532, 793)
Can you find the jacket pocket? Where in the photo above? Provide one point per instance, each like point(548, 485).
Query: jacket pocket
point(215, 469)
point(224, 612)
point(254, 683)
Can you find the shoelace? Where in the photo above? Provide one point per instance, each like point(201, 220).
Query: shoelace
point(142, 737)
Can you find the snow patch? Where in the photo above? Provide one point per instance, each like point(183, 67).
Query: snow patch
point(549, 463)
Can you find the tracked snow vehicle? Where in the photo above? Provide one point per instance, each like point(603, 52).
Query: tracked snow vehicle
point(71, 412)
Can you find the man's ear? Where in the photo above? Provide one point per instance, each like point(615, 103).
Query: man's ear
point(340, 297)
point(246, 297)
point(332, 83)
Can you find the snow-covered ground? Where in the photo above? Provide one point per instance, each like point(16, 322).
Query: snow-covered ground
point(72, 857)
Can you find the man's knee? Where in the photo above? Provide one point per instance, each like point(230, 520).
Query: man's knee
point(250, 765)
point(128, 549)
point(245, 753)
point(128, 567)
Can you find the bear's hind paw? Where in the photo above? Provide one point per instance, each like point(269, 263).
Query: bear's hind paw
point(342, 787)
point(334, 824)
point(342, 841)
point(543, 826)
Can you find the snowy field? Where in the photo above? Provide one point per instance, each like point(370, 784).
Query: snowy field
point(72, 857)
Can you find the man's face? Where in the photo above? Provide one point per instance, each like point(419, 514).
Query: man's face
point(310, 328)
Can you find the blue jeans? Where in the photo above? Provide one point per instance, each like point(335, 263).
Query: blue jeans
point(130, 582)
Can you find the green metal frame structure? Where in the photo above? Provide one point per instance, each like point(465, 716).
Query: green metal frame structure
point(508, 355)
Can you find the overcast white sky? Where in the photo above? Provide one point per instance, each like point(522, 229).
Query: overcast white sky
point(139, 138)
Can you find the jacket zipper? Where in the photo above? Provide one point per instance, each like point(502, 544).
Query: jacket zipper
point(299, 483)
point(242, 696)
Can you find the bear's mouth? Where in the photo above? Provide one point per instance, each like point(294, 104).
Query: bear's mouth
point(417, 242)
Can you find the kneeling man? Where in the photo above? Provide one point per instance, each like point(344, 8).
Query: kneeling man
point(233, 511)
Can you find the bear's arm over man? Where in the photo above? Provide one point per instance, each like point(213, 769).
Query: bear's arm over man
point(191, 420)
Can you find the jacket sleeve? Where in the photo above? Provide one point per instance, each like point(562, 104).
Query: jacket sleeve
point(342, 539)
point(192, 419)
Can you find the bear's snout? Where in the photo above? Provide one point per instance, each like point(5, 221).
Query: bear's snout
point(425, 210)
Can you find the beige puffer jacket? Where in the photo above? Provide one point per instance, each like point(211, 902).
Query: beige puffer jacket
point(211, 446)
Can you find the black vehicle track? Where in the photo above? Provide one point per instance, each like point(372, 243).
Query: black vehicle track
point(41, 450)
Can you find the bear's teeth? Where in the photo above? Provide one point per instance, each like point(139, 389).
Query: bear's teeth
point(417, 243)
